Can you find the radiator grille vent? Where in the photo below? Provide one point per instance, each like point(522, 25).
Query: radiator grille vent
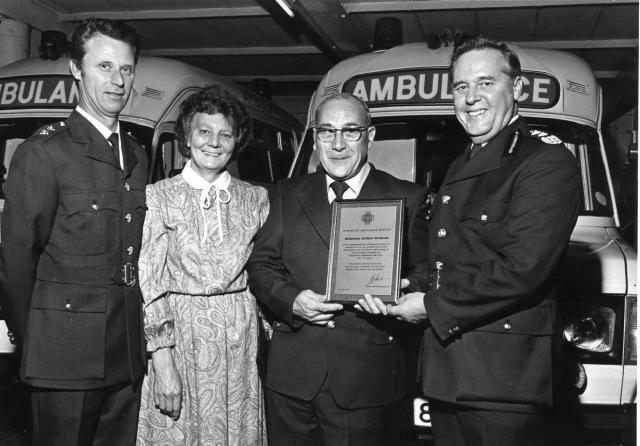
point(153, 93)
point(578, 88)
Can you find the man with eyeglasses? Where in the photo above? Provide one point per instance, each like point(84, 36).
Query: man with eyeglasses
point(332, 373)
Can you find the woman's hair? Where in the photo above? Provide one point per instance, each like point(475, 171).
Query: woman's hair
point(92, 27)
point(212, 100)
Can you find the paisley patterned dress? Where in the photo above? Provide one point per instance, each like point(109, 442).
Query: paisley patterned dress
point(195, 246)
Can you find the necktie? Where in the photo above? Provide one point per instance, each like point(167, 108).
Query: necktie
point(339, 188)
point(114, 141)
point(473, 150)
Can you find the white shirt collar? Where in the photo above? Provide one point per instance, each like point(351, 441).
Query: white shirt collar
point(197, 182)
point(103, 129)
point(355, 184)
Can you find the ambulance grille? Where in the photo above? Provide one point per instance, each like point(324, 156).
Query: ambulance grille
point(578, 88)
point(153, 93)
point(331, 89)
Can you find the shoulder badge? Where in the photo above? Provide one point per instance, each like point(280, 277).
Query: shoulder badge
point(514, 142)
point(545, 137)
point(49, 129)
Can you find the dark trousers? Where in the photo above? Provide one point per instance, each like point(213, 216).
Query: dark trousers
point(96, 417)
point(320, 422)
point(456, 425)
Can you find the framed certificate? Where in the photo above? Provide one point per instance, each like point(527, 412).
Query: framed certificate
point(365, 250)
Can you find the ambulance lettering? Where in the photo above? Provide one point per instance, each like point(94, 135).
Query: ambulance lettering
point(42, 91)
point(431, 86)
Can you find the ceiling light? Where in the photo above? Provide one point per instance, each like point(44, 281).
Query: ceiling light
point(285, 6)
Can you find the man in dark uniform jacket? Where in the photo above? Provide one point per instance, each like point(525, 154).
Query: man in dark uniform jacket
point(331, 372)
point(497, 239)
point(71, 233)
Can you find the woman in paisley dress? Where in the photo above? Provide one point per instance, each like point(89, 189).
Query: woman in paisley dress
point(201, 321)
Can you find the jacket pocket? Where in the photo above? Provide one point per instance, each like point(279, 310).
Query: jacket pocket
point(486, 212)
point(91, 218)
point(508, 361)
point(66, 332)
point(484, 221)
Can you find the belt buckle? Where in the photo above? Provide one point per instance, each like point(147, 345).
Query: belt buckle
point(128, 274)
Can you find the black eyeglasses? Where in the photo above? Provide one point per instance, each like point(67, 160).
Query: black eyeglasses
point(351, 134)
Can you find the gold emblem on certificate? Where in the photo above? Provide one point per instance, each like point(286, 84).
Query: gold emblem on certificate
point(365, 250)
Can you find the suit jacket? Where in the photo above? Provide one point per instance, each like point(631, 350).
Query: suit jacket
point(499, 232)
point(361, 356)
point(72, 219)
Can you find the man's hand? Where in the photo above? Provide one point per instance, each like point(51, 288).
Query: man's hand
point(371, 305)
point(374, 305)
point(410, 308)
point(167, 389)
point(311, 307)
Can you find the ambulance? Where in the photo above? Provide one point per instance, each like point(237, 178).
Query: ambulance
point(417, 136)
point(35, 92)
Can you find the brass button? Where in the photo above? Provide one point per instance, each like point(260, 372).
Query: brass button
point(94, 207)
point(439, 265)
point(483, 217)
point(442, 232)
point(67, 306)
point(130, 250)
point(507, 325)
point(127, 187)
point(446, 199)
point(128, 218)
point(331, 324)
point(390, 338)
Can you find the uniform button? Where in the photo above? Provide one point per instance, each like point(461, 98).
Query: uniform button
point(130, 250)
point(128, 218)
point(94, 207)
point(483, 217)
point(331, 324)
point(442, 232)
point(446, 199)
point(439, 265)
point(127, 187)
point(507, 325)
point(67, 306)
point(390, 338)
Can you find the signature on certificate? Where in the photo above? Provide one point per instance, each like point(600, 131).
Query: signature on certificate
point(375, 278)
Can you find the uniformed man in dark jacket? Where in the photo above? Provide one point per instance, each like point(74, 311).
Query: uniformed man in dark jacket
point(498, 234)
point(71, 233)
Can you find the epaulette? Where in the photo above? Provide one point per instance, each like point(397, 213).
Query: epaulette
point(545, 137)
point(135, 139)
point(46, 131)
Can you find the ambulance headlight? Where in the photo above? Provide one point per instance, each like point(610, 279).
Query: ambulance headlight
point(592, 330)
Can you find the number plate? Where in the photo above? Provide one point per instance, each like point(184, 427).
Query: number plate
point(421, 416)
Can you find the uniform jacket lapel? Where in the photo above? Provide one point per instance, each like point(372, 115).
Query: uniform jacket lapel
point(489, 158)
point(83, 132)
point(315, 205)
point(130, 159)
point(373, 186)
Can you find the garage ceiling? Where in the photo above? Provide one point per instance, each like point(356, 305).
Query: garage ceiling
point(247, 39)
